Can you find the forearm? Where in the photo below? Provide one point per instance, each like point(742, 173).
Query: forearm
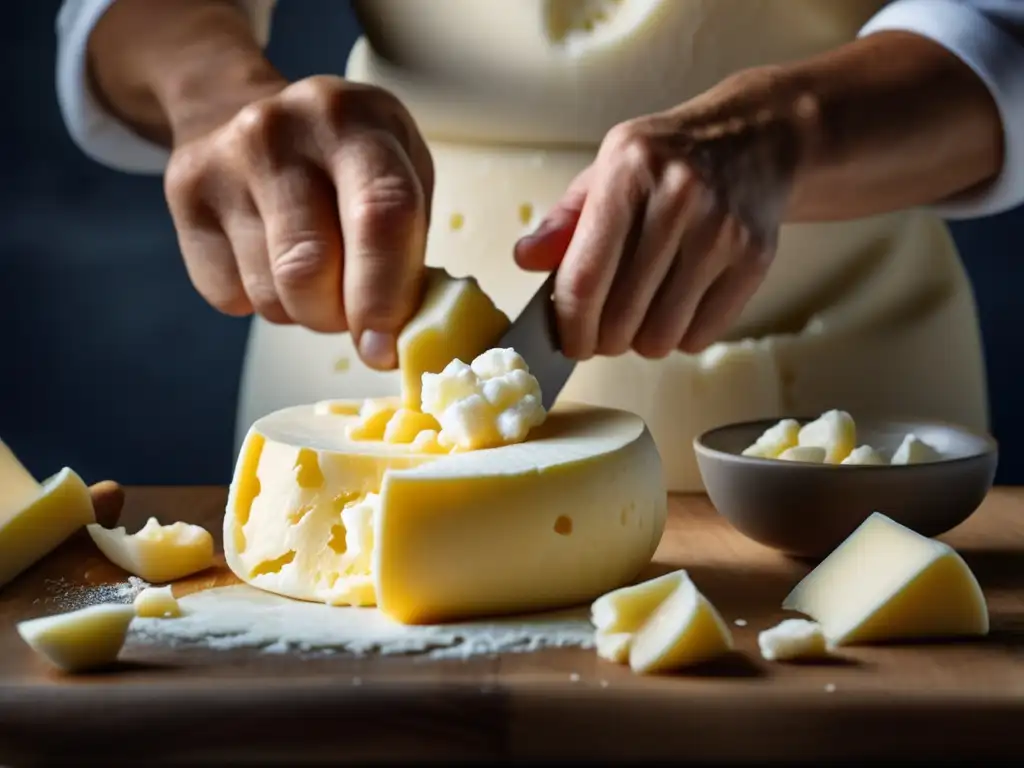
point(888, 122)
point(176, 68)
point(901, 122)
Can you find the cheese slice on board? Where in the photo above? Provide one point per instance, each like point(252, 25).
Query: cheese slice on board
point(888, 582)
point(684, 630)
point(80, 640)
point(37, 517)
point(620, 613)
point(559, 520)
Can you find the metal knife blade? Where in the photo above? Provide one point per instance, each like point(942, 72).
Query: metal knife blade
point(534, 335)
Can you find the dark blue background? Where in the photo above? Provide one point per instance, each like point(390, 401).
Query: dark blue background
point(104, 344)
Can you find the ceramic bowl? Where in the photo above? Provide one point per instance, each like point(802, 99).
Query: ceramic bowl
point(807, 510)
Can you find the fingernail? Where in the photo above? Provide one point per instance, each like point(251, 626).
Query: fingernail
point(378, 349)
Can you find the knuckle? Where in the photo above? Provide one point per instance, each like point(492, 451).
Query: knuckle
point(258, 124)
point(300, 262)
point(183, 177)
point(677, 184)
point(387, 204)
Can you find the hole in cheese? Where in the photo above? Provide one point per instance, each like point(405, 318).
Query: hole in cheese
point(272, 566)
point(248, 487)
point(307, 469)
point(563, 525)
point(337, 540)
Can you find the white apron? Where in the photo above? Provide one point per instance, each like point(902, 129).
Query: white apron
point(874, 316)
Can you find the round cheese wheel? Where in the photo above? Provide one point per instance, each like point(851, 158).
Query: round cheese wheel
point(575, 511)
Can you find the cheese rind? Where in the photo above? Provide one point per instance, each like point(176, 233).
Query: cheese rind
point(157, 553)
point(455, 321)
point(156, 603)
point(34, 523)
point(80, 640)
point(887, 582)
point(683, 631)
point(454, 535)
point(793, 639)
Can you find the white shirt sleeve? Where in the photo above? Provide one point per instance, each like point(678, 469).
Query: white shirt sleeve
point(988, 35)
point(97, 133)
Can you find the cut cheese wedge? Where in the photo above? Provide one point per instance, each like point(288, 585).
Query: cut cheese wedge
point(35, 518)
point(684, 630)
point(156, 553)
point(620, 613)
point(156, 603)
point(455, 321)
point(887, 582)
point(80, 640)
point(574, 512)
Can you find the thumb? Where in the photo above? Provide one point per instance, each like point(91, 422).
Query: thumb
point(543, 249)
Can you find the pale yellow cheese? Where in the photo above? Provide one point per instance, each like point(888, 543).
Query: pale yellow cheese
point(156, 603)
point(157, 553)
point(456, 320)
point(808, 454)
point(793, 639)
point(775, 440)
point(835, 431)
point(864, 455)
point(914, 450)
point(80, 640)
point(35, 518)
point(620, 613)
point(559, 520)
point(887, 582)
point(683, 631)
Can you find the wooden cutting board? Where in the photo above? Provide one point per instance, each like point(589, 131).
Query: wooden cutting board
point(162, 706)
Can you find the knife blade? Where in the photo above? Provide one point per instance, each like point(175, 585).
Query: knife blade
point(534, 335)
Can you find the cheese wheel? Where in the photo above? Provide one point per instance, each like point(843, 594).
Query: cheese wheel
point(575, 511)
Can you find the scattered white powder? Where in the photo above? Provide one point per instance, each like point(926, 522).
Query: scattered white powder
point(830, 688)
point(68, 596)
point(243, 617)
point(740, 622)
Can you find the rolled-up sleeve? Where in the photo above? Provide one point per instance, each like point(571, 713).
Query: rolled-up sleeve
point(988, 36)
point(99, 134)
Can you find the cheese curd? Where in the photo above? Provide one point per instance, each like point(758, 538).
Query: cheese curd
point(491, 402)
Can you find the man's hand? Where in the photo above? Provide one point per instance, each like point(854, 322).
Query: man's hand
point(309, 206)
point(661, 242)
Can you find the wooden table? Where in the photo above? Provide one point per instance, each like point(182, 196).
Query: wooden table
point(924, 702)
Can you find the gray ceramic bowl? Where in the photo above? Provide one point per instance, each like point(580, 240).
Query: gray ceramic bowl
point(808, 509)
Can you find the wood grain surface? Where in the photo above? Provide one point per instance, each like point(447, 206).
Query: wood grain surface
point(164, 706)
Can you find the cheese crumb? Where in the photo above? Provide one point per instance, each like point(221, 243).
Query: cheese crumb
point(792, 639)
point(156, 603)
point(491, 402)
